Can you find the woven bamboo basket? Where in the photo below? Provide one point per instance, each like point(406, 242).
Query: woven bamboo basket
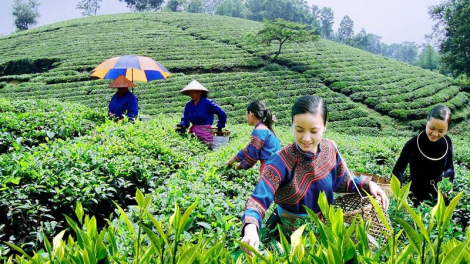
point(224, 132)
point(353, 204)
point(383, 182)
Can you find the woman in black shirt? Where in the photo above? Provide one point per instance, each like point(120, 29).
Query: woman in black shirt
point(429, 155)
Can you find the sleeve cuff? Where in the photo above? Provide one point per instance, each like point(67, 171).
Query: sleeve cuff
point(249, 220)
point(364, 184)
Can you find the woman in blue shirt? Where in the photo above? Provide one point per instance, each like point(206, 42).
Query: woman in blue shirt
point(123, 103)
point(295, 176)
point(200, 113)
point(263, 139)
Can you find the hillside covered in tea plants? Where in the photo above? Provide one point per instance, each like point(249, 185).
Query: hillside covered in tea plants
point(65, 160)
point(61, 159)
point(367, 93)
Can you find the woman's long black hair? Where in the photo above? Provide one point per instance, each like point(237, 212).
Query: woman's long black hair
point(261, 112)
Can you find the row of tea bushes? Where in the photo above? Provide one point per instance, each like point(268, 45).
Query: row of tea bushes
point(29, 123)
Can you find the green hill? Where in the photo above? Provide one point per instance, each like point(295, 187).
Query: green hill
point(367, 93)
point(55, 154)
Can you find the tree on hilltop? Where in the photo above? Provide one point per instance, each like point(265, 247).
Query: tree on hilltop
point(143, 5)
point(429, 58)
point(315, 21)
point(175, 5)
point(346, 30)
point(89, 7)
point(212, 5)
point(195, 6)
point(280, 31)
point(326, 22)
point(291, 10)
point(25, 14)
point(233, 8)
point(453, 32)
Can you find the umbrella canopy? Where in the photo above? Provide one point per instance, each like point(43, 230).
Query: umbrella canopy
point(134, 68)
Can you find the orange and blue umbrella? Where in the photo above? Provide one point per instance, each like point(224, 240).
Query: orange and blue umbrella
point(134, 68)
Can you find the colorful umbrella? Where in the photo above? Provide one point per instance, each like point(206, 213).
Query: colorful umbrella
point(134, 68)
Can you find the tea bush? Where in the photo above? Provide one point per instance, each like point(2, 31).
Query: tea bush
point(28, 123)
point(215, 51)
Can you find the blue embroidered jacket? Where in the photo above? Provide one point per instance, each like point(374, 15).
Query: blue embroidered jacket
point(293, 178)
point(262, 145)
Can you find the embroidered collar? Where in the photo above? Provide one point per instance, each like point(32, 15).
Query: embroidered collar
point(258, 124)
point(307, 154)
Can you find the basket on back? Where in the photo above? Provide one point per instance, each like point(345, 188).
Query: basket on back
point(353, 204)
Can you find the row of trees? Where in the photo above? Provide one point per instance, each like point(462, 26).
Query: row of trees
point(25, 13)
point(451, 30)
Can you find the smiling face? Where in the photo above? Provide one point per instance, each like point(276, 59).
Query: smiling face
point(308, 131)
point(436, 129)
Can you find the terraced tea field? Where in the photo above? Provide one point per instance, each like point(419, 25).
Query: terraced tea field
point(367, 93)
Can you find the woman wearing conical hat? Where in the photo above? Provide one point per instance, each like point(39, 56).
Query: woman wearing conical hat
point(200, 113)
point(123, 103)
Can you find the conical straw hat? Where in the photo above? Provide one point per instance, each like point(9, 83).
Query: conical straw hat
point(121, 82)
point(193, 86)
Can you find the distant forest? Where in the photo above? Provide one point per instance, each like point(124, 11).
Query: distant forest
point(319, 19)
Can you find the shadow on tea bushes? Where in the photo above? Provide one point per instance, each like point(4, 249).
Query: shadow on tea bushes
point(40, 185)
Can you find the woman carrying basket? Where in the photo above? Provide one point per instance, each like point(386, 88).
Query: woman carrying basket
point(263, 139)
point(429, 155)
point(200, 113)
point(295, 176)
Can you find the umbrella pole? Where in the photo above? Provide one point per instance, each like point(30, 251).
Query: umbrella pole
point(132, 79)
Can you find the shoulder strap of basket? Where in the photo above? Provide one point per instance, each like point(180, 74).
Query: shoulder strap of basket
point(351, 175)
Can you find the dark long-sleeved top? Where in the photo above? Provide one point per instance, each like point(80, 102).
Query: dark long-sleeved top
point(203, 113)
point(127, 104)
point(423, 169)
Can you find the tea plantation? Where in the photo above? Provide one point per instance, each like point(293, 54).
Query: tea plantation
point(368, 93)
point(61, 159)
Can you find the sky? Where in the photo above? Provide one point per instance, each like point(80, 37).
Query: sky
point(395, 21)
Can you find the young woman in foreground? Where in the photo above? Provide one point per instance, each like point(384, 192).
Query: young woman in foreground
point(295, 176)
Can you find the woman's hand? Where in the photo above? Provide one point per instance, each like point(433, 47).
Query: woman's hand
point(239, 166)
point(375, 190)
point(446, 194)
point(251, 238)
point(230, 162)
